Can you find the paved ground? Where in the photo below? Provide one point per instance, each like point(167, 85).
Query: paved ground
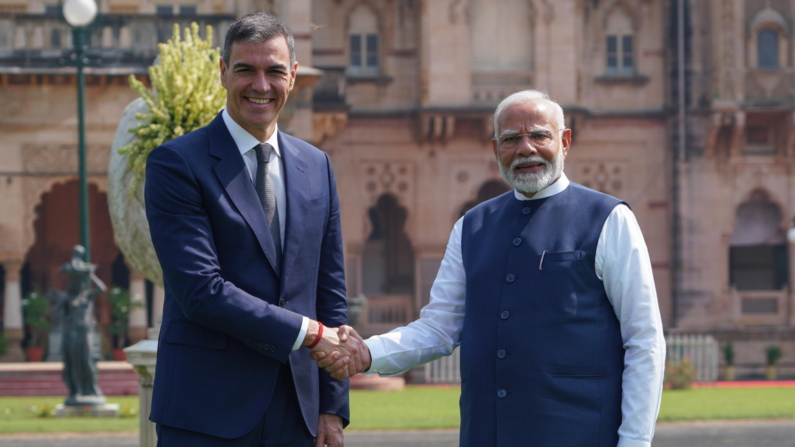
point(698, 434)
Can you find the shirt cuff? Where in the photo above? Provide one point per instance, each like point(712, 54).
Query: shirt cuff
point(627, 442)
point(377, 356)
point(301, 334)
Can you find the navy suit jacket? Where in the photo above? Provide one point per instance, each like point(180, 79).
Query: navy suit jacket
point(231, 314)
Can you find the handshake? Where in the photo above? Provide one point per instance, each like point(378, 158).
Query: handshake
point(340, 351)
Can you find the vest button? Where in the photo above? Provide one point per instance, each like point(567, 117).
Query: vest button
point(517, 242)
point(501, 353)
point(510, 277)
point(525, 211)
point(502, 393)
point(505, 314)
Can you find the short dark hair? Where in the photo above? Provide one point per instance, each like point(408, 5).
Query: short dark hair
point(257, 27)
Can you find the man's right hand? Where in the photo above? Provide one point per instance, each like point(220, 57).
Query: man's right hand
point(342, 352)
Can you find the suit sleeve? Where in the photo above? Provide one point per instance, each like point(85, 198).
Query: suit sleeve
point(183, 239)
point(332, 306)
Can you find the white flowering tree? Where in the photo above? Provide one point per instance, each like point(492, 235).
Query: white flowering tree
point(186, 94)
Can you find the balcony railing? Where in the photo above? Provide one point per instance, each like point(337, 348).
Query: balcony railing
point(36, 43)
point(382, 313)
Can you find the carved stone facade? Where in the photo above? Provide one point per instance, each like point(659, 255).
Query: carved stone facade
point(414, 124)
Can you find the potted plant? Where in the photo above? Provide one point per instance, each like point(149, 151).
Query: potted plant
point(121, 304)
point(35, 309)
point(773, 354)
point(3, 344)
point(728, 357)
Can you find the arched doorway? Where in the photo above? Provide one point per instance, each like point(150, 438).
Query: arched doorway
point(388, 259)
point(57, 228)
point(489, 190)
point(388, 268)
point(758, 252)
point(758, 264)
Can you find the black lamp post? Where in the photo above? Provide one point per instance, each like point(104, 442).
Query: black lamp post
point(79, 14)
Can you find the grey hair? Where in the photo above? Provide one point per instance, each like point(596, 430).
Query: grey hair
point(524, 96)
point(257, 27)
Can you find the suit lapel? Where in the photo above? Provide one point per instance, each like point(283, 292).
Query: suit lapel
point(296, 183)
point(232, 172)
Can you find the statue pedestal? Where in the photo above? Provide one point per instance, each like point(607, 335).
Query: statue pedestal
point(92, 411)
point(143, 356)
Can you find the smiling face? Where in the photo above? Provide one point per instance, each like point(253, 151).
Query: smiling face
point(257, 81)
point(530, 147)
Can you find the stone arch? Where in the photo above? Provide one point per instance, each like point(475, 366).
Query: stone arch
point(33, 191)
point(622, 6)
point(487, 190)
point(369, 5)
point(758, 247)
point(388, 255)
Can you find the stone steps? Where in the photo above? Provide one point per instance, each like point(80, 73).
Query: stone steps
point(44, 379)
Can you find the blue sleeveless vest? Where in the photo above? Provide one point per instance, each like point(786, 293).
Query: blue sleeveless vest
point(541, 349)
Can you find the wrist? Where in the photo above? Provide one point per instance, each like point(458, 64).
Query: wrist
point(318, 337)
point(311, 332)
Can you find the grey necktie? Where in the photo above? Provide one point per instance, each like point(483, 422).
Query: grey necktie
point(267, 196)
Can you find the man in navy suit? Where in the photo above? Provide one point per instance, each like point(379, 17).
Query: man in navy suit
point(245, 221)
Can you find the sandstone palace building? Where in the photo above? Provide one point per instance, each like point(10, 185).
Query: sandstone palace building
point(698, 138)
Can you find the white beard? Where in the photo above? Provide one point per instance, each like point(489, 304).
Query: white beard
point(534, 182)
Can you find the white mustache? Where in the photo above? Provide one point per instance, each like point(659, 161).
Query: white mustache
point(519, 161)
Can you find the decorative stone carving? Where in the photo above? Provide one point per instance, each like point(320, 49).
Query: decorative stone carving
point(396, 178)
point(62, 158)
point(325, 125)
point(128, 216)
point(608, 177)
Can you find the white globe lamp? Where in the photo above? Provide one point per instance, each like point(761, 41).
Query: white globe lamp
point(79, 12)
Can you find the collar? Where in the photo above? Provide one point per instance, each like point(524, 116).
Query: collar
point(244, 140)
point(556, 188)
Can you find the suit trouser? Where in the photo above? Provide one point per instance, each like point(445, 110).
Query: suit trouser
point(282, 425)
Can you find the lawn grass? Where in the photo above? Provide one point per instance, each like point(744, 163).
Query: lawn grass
point(417, 408)
point(16, 417)
point(412, 408)
point(727, 403)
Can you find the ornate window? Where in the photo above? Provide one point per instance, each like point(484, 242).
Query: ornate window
point(767, 49)
point(768, 42)
point(619, 44)
point(363, 48)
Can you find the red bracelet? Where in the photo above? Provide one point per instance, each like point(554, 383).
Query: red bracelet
point(319, 336)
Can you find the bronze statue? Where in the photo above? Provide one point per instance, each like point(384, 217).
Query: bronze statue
point(80, 341)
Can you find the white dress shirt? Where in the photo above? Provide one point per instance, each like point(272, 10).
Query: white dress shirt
point(622, 263)
point(245, 144)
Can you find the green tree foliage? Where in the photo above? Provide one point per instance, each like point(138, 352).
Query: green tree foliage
point(121, 304)
point(35, 309)
point(186, 94)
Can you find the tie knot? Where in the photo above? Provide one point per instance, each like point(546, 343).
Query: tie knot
point(263, 152)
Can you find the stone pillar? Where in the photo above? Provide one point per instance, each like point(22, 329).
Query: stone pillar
point(159, 296)
point(143, 356)
point(12, 312)
point(136, 329)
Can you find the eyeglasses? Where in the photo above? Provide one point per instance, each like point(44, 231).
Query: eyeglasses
point(540, 138)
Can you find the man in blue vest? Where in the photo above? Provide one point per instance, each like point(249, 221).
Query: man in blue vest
point(548, 289)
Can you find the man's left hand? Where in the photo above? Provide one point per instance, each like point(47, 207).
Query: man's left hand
point(329, 431)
